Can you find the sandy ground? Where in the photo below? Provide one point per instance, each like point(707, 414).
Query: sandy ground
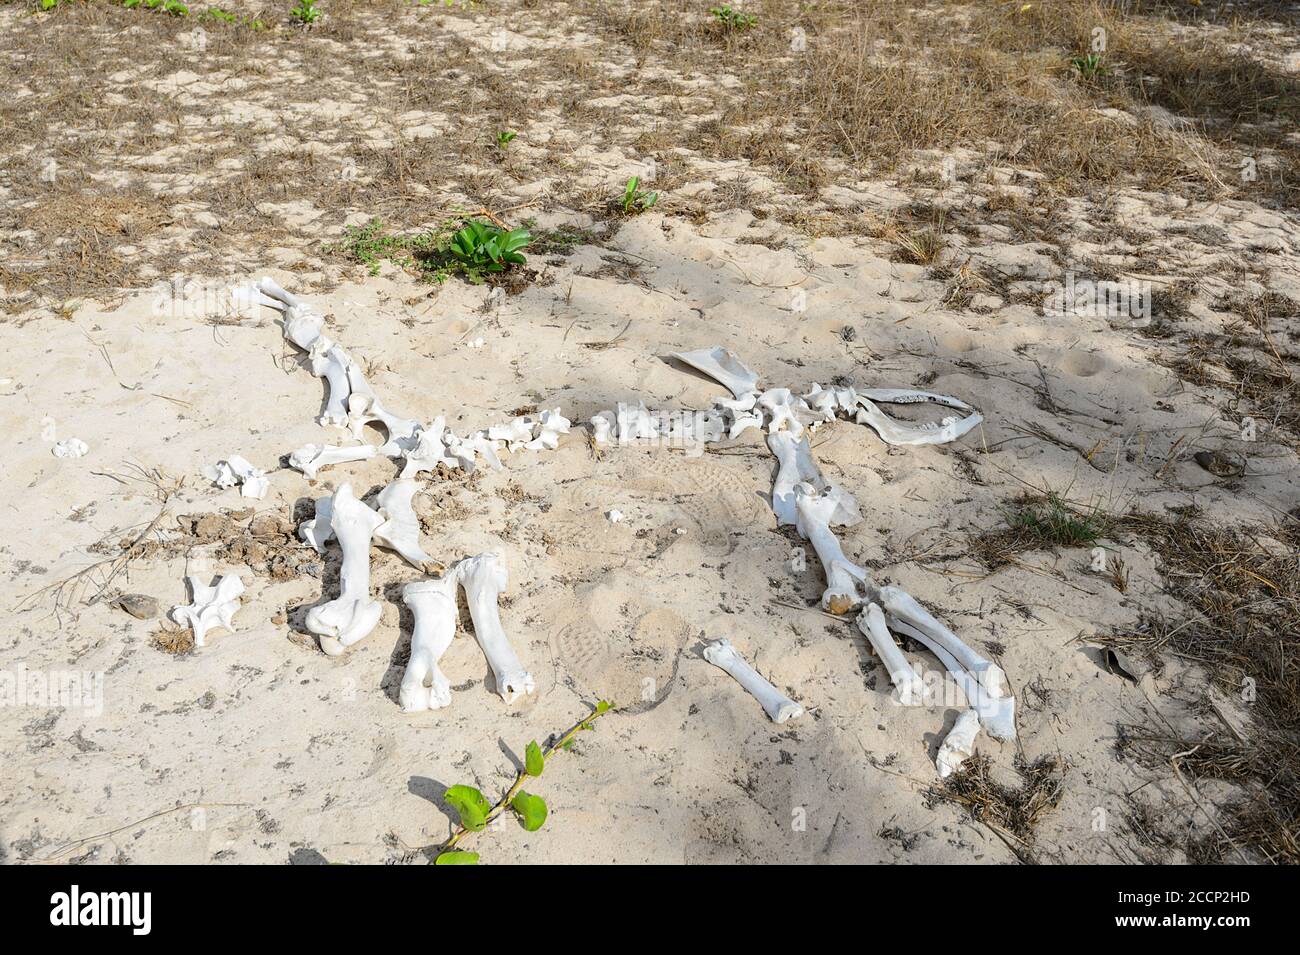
point(258, 748)
point(299, 756)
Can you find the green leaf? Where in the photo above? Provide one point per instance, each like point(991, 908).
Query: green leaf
point(603, 706)
point(471, 804)
point(531, 809)
point(457, 858)
point(534, 762)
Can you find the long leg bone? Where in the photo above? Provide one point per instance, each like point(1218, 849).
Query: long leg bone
point(342, 622)
point(433, 602)
point(211, 607)
point(907, 683)
point(814, 514)
point(401, 528)
point(778, 706)
point(903, 608)
point(484, 577)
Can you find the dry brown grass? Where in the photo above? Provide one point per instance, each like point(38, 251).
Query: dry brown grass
point(1011, 812)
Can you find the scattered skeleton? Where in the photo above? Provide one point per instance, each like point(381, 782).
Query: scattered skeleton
point(801, 497)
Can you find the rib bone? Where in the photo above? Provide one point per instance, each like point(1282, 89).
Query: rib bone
point(484, 577)
point(433, 602)
point(211, 607)
point(778, 706)
point(342, 622)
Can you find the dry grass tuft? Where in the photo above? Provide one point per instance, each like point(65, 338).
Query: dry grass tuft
point(1013, 813)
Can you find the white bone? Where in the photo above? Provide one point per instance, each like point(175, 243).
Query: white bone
point(636, 423)
point(433, 602)
point(318, 531)
point(604, 426)
point(429, 450)
point(235, 470)
point(901, 605)
point(908, 685)
point(723, 367)
point(814, 513)
point(330, 361)
point(400, 531)
point(778, 706)
point(515, 434)
point(893, 431)
point(211, 608)
point(959, 744)
point(795, 465)
point(997, 714)
point(783, 409)
point(347, 619)
point(550, 425)
point(742, 413)
point(302, 322)
point(246, 296)
point(484, 577)
point(70, 448)
point(310, 458)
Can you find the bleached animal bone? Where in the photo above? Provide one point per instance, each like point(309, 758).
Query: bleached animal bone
point(310, 458)
point(742, 412)
point(365, 408)
point(723, 367)
point(550, 425)
point(345, 620)
point(795, 466)
point(814, 514)
point(636, 423)
point(908, 685)
point(70, 448)
point(604, 427)
point(433, 602)
point(466, 451)
point(302, 322)
point(893, 431)
point(783, 409)
point(515, 434)
point(318, 531)
point(903, 607)
point(235, 470)
point(331, 362)
point(484, 577)
point(429, 450)
point(210, 607)
point(959, 744)
point(400, 531)
point(778, 706)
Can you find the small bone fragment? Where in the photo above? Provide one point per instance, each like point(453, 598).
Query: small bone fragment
point(70, 448)
point(604, 426)
point(347, 619)
point(550, 425)
point(959, 744)
point(433, 602)
point(235, 470)
point(210, 607)
point(636, 423)
point(907, 683)
point(310, 458)
point(515, 434)
point(400, 531)
point(318, 530)
point(814, 512)
point(778, 706)
point(723, 367)
point(429, 450)
point(484, 577)
point(614, 515)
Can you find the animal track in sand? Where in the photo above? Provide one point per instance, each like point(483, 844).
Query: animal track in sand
point(1082, 364)
point(633, 664)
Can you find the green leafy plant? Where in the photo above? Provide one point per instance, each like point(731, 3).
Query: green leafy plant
point(476, 813)
point(735, 20)
point(1088, 67)
point(306, 12)
point(505, 138)
point(635, 199)
point(483, 247)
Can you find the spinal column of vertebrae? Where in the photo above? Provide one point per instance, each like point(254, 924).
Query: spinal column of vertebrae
point(801, 496)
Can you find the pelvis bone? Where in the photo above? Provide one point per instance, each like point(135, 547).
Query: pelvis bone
point(347, 619)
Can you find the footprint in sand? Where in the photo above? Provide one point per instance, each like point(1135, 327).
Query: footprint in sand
point(632, 660)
